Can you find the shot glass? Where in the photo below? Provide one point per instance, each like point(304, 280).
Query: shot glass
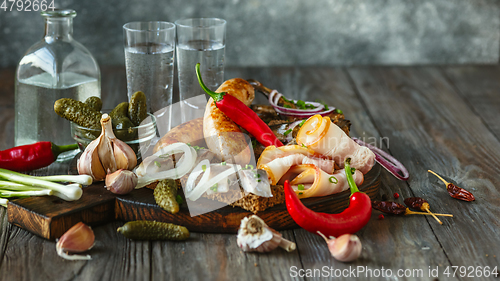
point(200, 40)
point(149, 61)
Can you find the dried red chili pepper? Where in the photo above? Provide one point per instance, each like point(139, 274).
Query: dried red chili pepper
point(350, 221)
point(398, 209)
point(455, 191)
point(420, 204)
point(241, 115)
point(32, 156)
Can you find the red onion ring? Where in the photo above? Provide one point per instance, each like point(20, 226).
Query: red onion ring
point(274, 97)
point(391, 164)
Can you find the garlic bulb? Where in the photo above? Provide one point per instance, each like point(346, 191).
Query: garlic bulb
point(77, 239)
point(255, 236)
point(344, 248)
point(106, 154)
point(121, 181)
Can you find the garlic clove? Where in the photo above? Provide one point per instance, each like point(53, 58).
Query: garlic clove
point(121, 181)
point(77, 239)
point(89, 163)
point(124, 155)
point(255, 236)
point(344, 248)
point(105, 148)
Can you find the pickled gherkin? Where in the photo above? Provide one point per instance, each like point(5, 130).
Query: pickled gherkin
point(166, 195)
point(120, 110)
point(94, 102)
point(153, 230)
point(78, 112)
point(137, 110)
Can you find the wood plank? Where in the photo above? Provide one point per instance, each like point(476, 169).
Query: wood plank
point(382, 240)
point(431, 127)
point(479, 86)
point(7, 78)
point(217, 257)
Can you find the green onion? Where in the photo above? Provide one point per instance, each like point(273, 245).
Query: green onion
point(300, 193)
point(248, 167)
point(8, 193)
point(179, 199)
point(3, 202)
point(339, 111)
point(258, 180)
point(287, 106)
point(353, 170)
point(302, 123)
point(223, 163)
point(214, 187)
point(204, 167)
point(333, 179)
point(287, 132)
point(80, 179)
point(300, 187)
point(157, 164)
point(68, 192)
point(303, 145)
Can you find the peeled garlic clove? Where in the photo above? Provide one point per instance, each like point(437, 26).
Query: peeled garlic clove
point(124, 155)
point(77, 239)
point(121, 182)
point(255, 236)
point(89, 163)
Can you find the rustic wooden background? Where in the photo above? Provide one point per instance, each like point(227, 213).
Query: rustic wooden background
point(440, 118)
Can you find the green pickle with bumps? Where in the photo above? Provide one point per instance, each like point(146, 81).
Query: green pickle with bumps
point(166, 195)
point(94, 102)
point(153, 230)
point(137, 110)
point(78, 112)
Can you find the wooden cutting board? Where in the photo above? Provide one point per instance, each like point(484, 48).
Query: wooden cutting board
point(50, 217)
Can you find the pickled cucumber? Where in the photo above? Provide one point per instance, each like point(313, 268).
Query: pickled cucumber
point(78, 112)
point(94, 102)
point(122, 126)
point(153, 230)
point(166, 195)
point(121, 110)
point(137, 110)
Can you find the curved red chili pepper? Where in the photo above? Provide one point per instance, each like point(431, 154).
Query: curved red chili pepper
point(350, 221)
point(32, 156)
point(241, 115)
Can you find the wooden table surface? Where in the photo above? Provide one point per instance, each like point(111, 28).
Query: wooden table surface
point(442, 118)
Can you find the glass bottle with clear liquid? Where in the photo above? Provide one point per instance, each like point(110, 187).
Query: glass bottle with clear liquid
point(56, 67)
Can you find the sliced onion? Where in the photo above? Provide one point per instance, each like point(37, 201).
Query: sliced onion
point(182, 167)
point(203, 186)
point(195, 173)
point(274, 97)
point(391, 164)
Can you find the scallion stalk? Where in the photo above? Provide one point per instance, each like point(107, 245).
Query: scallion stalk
point(3, 202)
point(9, 193)
point(80, 179)
point(68, 192)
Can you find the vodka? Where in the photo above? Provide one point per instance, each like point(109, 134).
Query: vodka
point(35, 97)
point(150, 70)
point(210, 55)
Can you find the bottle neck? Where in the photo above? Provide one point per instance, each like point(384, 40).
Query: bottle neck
point(59, 28)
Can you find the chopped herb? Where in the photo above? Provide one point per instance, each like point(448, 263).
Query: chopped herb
point(287, 132)
point(303, 145)
point(302, 123)
point(339, 111)
point(204, 167)
point(300, 187)
point(223, 163)
point(248, 167)
point(254, 143)
point(258, 180)
point(214, 187)
point(301, 104)
point(300, 193)
point(333, 179)
point(157, 164)
point(256, 175)
point(353, 170)
point(287, 106)
point(179, 199)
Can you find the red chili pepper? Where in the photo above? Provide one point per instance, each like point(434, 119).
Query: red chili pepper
point(32, 156)
point(241, 115)
point(380, 217)
point(349, 221)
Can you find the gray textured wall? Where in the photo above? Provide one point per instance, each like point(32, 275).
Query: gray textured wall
point(289, 32)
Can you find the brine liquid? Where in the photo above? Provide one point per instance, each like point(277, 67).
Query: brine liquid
point(35, 118)
point(150, 69)
point(210, 55)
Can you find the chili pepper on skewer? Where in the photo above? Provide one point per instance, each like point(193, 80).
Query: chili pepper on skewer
point(241, 115)
point(395, 208)
point(420, 204)
point(32, 156)
point(349, 221)
point(455, 191)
